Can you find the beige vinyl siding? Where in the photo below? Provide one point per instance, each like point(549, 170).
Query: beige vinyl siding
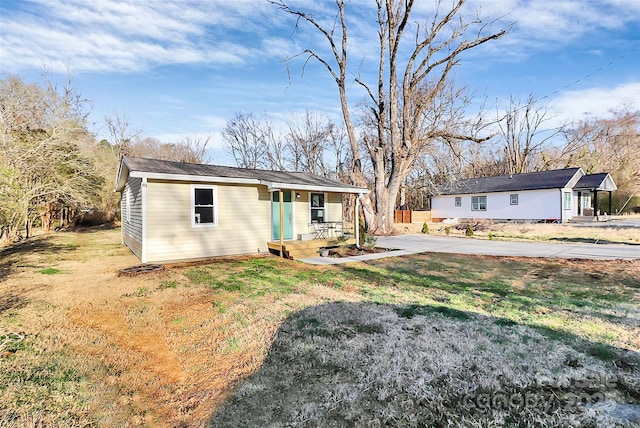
point(334, 206)
point(132, 224)
point(243, 222)
point(302, 210)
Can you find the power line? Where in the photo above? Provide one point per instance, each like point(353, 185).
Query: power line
point(589, 75)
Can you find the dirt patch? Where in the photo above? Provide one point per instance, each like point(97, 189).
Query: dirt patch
point(352, 250)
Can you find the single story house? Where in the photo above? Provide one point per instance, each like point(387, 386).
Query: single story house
point(173, 211)
point(556, 195)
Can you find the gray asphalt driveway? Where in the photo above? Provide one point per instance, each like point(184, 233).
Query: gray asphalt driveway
point(418, 243)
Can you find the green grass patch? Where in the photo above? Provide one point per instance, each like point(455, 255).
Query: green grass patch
point(50, 271)
point(167, 284)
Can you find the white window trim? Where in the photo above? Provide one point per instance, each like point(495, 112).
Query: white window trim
point(457, 201)
point(565, 200)
point(192, 206)
point(486, 203)
point(511, 199)
point(325, 207)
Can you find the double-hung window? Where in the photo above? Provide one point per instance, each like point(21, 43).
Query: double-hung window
point(478, 203)
point(567, 200)
point(204, 205)
point(514, 199)
point(458, 201)
point(318, 208)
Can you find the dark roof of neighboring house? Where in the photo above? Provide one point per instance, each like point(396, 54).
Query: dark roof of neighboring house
point(554, 179)
point(267, 177)
point(591, 181)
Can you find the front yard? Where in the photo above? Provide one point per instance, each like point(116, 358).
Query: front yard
point(404, 341)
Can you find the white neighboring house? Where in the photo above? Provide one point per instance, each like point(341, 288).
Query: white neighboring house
point(550, 196)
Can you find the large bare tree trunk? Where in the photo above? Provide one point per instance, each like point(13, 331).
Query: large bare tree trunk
point(402, 105)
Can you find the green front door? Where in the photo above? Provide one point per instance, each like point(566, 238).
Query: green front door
point(288, 214)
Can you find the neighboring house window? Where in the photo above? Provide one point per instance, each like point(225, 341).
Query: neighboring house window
point(478, 203)
point(458, 201)
point(317, 207)
point(567, 200)
point(586, 203)
point(514, 199)
point(204, 205)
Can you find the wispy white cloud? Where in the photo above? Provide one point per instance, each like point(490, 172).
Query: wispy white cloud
point(115, 35)
point(597, 102)
point(553, 24)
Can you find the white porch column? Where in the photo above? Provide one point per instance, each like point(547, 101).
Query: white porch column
point(281, 197)
point(356, 220)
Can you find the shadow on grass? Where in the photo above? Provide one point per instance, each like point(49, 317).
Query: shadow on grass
point(10, 257)
point(365, 364)
point(489, 282)
point(590, 241)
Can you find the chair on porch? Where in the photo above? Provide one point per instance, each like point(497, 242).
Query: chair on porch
point(320, 230)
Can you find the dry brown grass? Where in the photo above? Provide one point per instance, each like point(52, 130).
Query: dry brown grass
point(538, 232)
point(92, 348)
point(145, 353)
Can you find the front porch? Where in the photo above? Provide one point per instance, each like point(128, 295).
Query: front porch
point(304, 249)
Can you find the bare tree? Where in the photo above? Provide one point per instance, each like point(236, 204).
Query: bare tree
point(525, 135)
point(605, 144)
point(121, 134)
point(246, 140)
point(189, 149)
point(42, 165)
point(308, 143)
point(404, 102)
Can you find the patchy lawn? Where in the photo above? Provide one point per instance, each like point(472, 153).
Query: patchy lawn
point(606, 233)
point(416, 340)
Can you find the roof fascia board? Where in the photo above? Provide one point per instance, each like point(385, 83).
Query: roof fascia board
point(574, 179)
point(193, 178)
point(120, 179)
point(274, 185)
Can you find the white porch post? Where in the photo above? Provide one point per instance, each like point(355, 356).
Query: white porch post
point(281, 198)
point(356, 220)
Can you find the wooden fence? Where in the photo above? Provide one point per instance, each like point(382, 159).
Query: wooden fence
point(407, 216)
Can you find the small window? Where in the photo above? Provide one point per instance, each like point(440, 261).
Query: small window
point(478, 203)
point(458, 201)
point(514, 199)
point(567, 200)
point(317, 208)
point(204, 206)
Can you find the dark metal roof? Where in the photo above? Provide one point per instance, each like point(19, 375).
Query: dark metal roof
point(204, 170)
point(554, 179)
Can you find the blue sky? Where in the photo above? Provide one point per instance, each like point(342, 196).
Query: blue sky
point(179, 68)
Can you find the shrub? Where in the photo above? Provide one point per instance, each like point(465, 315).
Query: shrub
point(447, 230)
point(371, 241)
point(469, 231)
point(490, 236)
point(425, 228)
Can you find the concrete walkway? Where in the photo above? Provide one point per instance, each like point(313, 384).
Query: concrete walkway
point(418, 243)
